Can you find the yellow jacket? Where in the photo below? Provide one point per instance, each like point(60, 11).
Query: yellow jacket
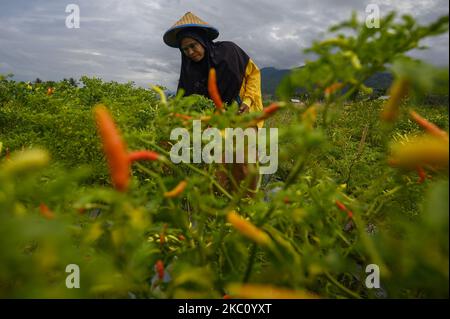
point(250, 92)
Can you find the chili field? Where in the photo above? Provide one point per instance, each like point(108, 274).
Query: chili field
point(91, 206)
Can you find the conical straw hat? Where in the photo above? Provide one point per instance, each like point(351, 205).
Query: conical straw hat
point(189, 20)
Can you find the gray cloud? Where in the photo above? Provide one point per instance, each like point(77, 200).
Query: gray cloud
point(122, 40)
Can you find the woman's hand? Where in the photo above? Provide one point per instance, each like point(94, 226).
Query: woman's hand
point(243, 108)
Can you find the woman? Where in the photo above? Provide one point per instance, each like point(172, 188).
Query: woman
point(238, 77)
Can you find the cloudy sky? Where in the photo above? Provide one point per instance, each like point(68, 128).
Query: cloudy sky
point(121, 40)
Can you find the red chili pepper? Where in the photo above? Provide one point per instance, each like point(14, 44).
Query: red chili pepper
point(428, 126)
point(422, 174)
point(160, 269)
point(114, 148)
point(162, 235)
point(344, 209)
point(341, 206)
point(226, 296)
point(143, 156)
point(181, 237)
point(350, 214)
point(50, 91)
point(213, 90)
point(46, 212)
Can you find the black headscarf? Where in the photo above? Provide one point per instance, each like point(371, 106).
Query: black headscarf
point(229, 60)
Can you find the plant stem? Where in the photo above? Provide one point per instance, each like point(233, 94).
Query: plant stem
point(251, 260)
point(192, 167)
point(342, 287)
point(295, 171)
point(290, 179)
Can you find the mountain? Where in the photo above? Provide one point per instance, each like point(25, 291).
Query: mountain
point(380, 82)
point(271, 78)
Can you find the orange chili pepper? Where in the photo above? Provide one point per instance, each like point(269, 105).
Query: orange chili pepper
point(267, 112)
point(332, 88)
point(177, 190)
point(272, 108)
point(205, 118)
point(114, 148)
point(50, 91)
point(182, 116)
point(46, 212)
point(248, 229)
point(213, 90)
point(143, 155)
point(309, 116)
point(260, 291)
point(425, 150)
point(428, 126)
point(160, 269)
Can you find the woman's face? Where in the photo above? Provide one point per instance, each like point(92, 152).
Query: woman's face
point(192, 49)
